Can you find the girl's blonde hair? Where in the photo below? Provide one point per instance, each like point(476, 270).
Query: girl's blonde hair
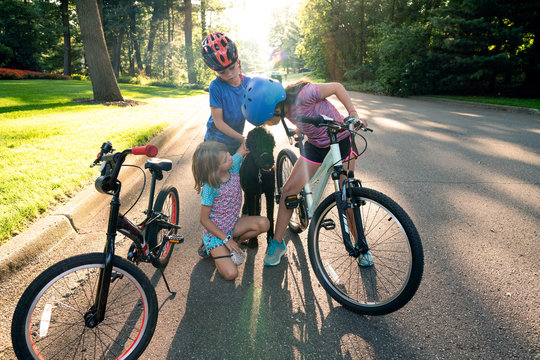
point(205, 164)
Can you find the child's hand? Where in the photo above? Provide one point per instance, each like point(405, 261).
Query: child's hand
point(233, 245)
point(242, 149)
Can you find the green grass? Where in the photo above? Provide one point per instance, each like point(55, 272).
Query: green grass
point(526, 103)
point(47, 141)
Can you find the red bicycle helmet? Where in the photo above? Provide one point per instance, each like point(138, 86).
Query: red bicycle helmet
point(218, 51)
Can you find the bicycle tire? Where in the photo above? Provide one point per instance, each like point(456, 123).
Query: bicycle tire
point(284, 165)
point(395, 246)
point(167, 203)
point(48, 321)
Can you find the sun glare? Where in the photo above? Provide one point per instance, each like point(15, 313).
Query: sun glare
point(252, 19)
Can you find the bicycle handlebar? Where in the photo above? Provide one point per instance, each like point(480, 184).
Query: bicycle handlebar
point(112, 162)
point(148, 150)
point(350, 123)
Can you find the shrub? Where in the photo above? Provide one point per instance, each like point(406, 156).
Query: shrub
point(79, 77)
point(14, 74)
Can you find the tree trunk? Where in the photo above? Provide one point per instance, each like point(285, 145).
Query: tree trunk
point(117, 51)
point(154, 23)
point(67, 36)
point(203, 19)
point(104, 82)
point(188, 29)
point(133, 36)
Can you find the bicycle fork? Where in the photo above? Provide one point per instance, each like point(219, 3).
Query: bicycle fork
point(347, 203)
point(96, 313)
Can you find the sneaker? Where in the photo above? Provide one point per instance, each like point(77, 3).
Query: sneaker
point(365, 260)
point(275, 252)
point(202, 252)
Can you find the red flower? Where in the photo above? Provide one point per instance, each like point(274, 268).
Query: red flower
point(14, 74)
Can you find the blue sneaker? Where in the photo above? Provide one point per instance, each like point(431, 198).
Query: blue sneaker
point(365, 260)
point(275, 252)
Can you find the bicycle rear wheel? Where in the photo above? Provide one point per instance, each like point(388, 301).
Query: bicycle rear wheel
point(395, 246)
point(49, 320)
point(168, 204)
point(284, 165)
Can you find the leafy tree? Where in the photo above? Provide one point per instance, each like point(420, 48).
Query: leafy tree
point(474, 45)
point(404, 68)
point(21, 35)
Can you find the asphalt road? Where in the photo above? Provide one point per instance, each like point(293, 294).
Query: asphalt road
point(469, 177)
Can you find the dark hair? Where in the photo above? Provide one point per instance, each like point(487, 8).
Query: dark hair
point(292, 90)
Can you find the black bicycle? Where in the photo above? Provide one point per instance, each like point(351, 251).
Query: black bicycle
point(99, 305)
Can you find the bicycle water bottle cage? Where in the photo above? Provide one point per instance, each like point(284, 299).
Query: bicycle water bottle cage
point(291, 202)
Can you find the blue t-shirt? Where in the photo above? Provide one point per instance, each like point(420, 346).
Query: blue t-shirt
point(229, 99)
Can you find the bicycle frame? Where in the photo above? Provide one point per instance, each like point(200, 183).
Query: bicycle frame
point(108, 184)
point(330, 162)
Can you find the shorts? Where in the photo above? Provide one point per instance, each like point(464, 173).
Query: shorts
point(212, 242)
point(316, 155)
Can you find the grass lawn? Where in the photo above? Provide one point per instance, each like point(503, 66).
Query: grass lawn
point(47, 141)
point(527, 103)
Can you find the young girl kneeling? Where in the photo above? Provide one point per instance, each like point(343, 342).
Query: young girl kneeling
point(217, 179)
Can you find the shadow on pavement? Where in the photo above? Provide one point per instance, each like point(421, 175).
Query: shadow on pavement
point(281, 318)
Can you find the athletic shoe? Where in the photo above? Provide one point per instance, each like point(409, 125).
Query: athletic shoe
point(365, 260)
point(202, 252)
point(275, 252)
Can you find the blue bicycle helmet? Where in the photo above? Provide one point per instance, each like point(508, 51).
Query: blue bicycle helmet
point(261, 96)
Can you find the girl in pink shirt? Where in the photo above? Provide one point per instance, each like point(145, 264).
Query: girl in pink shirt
point(302, 98)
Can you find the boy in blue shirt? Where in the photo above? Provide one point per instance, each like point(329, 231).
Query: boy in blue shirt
point(226, 122)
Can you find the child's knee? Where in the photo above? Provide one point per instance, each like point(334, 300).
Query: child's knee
point(265, 224)
point(229, 273)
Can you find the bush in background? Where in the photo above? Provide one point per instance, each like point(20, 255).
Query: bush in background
point(14, 74)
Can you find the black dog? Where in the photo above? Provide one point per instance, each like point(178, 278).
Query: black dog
point(258, 176)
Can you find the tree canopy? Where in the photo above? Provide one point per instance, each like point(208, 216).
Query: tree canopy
point(400, 47)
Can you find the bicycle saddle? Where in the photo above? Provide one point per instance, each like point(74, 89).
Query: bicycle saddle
point(158, 164)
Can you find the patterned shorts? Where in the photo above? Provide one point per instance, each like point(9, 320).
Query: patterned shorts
point(211, 242)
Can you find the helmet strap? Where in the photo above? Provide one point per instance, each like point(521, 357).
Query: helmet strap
point(282, 116)
point(240, 68)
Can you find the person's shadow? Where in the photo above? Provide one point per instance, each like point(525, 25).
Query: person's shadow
point(281, 319)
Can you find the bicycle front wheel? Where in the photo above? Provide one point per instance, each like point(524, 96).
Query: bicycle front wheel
point(49, 320)
point(284, 165)
point(167, 203)
point(394, 244)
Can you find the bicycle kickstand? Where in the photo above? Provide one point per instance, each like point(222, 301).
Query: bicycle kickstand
point(173, 293)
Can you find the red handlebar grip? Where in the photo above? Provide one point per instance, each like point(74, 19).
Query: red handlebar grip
point(148, 150)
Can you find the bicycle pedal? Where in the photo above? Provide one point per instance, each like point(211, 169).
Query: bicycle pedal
point(177, 239)
point(328, 224)
point(291, 202)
